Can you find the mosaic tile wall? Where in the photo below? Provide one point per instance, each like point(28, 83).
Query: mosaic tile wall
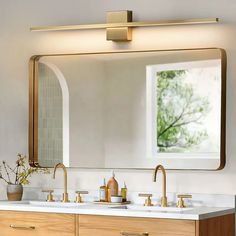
point(50, 149)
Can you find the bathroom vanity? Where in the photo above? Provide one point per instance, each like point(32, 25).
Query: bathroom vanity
point(125, 110)
point(68, 219)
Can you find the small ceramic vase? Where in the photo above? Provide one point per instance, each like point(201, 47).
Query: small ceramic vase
point(14, 192)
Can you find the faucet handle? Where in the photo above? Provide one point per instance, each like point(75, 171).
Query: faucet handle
point(148, 201)
point(78, 197)
point(49, 196)
point(180, 203)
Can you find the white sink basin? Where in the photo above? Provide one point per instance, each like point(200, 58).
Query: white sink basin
point(153, 208)
point(131, 207)
point(56, 204)
point(47, 204)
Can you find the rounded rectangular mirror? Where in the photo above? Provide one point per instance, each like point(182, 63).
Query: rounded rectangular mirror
point(130, 110)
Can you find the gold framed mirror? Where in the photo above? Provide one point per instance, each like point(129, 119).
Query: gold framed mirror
point(129, 109)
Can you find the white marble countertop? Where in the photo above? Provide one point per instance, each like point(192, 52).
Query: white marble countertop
point(195, 213)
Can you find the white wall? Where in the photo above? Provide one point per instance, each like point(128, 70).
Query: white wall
point(17, 44)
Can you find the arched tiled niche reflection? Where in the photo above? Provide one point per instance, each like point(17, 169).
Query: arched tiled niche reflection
point(53, 115)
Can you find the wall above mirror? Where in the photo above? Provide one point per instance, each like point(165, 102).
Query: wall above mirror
point(129, 110)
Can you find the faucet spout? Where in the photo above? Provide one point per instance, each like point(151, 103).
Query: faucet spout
point(65, 194)
point(164, 195)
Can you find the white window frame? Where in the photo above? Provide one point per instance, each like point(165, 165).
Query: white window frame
point(173, 160)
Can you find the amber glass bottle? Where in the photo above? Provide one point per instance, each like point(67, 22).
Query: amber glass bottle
point(112, 186)
point(103, 193)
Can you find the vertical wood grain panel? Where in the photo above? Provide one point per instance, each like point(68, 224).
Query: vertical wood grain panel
point(217, 226)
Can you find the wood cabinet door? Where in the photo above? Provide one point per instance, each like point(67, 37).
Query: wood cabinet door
point(217, 226)
point(13, 223)
point(132, 226)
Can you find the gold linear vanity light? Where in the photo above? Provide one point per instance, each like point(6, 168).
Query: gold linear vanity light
point(119, 25)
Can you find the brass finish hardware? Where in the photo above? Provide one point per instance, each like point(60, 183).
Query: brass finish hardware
point(78, 197)
point(181, 197)
point(133, 234)
point(128, 24)
point(119, 25)
point(22, 227)
point(164, 202)
point(121, 33)
point(148, 201)
point(65, 194)
point(49, 196)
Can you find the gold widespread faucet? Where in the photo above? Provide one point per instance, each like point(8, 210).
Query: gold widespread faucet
point(164, 202)
point(65, 194)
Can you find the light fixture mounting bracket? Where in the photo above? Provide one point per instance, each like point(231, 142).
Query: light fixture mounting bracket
point(121, 33)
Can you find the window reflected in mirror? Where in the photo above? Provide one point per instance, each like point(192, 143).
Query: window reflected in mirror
point(184, 109)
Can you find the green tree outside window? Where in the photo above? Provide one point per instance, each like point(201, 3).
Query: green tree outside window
point(179, 107)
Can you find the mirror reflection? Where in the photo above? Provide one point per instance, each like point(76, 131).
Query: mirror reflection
point(131, 110)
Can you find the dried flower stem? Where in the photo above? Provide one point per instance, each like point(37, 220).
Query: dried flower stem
point(22, 171)
point(17, 173)
point(12, 170)
point(1, 177)
point(4, 165)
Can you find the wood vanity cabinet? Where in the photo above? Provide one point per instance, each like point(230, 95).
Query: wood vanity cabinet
point(89, 225)
point(133, 226)
point(16, 223)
